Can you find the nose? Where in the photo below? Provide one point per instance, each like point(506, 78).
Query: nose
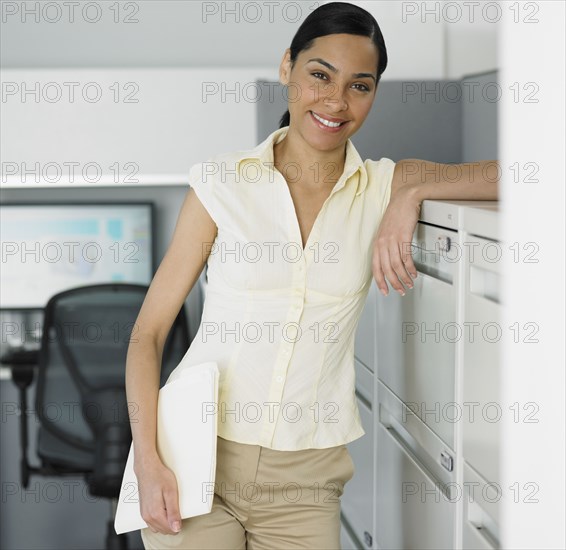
point(335, 99)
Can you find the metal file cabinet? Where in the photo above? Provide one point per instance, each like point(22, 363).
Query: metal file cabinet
point(347, 542)
point(481, 512)
point(482, 407)
point(419, 457)
point(416, 343)
point(415, 504)
point(366, 342)
point(481, 357)
point(358, 508)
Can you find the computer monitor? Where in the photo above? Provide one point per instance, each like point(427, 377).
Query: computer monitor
point(51, 247)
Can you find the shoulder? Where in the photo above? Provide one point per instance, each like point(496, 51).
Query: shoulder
point(380, 168)
point(380, 173)
point(219, 168)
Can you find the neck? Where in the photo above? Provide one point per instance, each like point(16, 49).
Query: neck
point(317, 168)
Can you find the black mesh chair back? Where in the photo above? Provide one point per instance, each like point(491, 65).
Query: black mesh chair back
point(81, 397)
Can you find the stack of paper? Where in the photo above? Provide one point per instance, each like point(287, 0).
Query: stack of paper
point(186, 443)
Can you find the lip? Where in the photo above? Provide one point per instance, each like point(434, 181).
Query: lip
point(329, 118)
point(327, 128)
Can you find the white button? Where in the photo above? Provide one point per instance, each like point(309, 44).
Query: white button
point(279, 378)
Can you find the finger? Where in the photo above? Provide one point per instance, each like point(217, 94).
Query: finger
point(163, 524)
point(378, 273)
point(149, 520)
point(155, 516)
point(399, 267)
point(160, 520)
point(407, 257)
point(157, 522)
point(390, 272)
point(171, 497)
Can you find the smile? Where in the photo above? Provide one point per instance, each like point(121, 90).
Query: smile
point(327, 123)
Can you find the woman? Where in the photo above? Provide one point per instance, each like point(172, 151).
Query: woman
point(286, 406)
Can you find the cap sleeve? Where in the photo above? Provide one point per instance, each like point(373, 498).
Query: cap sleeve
point(380, 178)
point(387, 169)
point(205, 187)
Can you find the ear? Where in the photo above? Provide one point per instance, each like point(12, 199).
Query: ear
point(285, 67)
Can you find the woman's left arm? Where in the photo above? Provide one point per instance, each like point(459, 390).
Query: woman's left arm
point(414, 181)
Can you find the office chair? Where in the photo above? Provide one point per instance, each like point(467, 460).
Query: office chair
point(81, 397)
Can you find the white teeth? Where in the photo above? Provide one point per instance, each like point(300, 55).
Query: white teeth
point(326, 122)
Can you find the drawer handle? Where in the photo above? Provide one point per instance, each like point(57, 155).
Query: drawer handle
point(421, 466)
point(475, 513)
point(444, 243)
point(446, 461)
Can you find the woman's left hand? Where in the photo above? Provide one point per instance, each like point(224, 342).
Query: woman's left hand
point(392, 245)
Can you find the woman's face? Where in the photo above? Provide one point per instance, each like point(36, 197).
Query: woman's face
point(339, 86)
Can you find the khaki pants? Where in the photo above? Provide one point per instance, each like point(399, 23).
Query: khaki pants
point(268, 500)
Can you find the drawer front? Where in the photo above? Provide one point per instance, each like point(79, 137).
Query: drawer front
point(416, 351)
point(474, 539)
point(347, 541)
point(410, 511)
point(358, 497)
point(422, 443)
point(364, 382)
point(365, 341)
point(481, 362)
point(481, 511)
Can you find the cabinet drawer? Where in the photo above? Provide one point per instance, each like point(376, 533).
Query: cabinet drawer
point(432, 454)
point(481, 511)
point(411, 513)
point(365, 341)
point(364, 381)
point(347, 542)
point(474, 539)
point(417, 351)
point(358, 497)
point(481, 361)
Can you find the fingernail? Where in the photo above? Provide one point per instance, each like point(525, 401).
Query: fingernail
point(176, 526)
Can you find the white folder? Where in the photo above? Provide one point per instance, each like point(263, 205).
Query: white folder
point(186, 443)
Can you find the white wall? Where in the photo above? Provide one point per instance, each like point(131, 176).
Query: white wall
point(122, 126)
point(533, 458)
point(471, 30)
point(430, 39)
point(160, 55)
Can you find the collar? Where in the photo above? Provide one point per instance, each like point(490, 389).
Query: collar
point(264, 154)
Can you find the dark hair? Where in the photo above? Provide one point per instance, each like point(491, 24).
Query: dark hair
point(337, 18)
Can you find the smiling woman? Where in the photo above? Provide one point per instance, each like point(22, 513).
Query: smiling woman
point(336, 18)
point(287, 391)
point(334, 66)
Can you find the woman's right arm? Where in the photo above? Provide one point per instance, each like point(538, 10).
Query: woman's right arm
point(180, 268)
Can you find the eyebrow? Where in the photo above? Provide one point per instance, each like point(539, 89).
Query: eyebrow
point(335, 70)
